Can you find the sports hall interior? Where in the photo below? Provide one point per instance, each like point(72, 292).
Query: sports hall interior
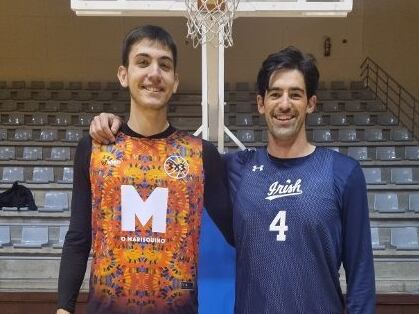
point(58, 70)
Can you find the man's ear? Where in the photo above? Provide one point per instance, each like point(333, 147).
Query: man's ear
point(311, 105)
point(175, 86)
point(261, 106)
point(123, 76)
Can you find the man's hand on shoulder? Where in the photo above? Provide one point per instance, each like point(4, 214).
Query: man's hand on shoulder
point(62, 311)
point(104, 126)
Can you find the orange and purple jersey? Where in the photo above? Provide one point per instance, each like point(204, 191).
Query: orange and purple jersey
point(146, 201)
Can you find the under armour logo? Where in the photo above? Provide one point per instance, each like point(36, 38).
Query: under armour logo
point(260, 168)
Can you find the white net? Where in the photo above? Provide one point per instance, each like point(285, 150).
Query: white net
point(207, 19)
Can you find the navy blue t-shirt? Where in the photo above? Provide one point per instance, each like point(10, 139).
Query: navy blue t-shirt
point(295, 222)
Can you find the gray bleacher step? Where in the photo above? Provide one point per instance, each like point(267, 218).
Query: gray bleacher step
point(38, 143)
point(40, 186)
point(407, 215)
point(8, 215)
point(389, 187)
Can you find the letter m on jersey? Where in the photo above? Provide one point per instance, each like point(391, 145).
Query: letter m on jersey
point(133, 206)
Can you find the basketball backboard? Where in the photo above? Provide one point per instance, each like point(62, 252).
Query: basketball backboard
point(250, 8)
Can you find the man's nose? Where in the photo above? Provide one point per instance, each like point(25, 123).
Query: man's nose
point(155, 71)
point(284, 102)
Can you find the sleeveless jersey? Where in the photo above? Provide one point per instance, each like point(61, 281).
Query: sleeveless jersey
point(147, 200)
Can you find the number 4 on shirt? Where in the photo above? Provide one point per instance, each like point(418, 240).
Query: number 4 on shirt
point(278, 224)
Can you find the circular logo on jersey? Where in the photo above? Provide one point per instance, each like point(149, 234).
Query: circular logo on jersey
point(176, 167)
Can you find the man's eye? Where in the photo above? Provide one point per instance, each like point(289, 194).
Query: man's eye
point(142, 63)
point(295, 96)
point(166, 66)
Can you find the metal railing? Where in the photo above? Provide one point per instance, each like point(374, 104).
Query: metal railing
point(397, 99)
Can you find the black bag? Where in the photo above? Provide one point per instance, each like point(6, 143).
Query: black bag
point(17, 196)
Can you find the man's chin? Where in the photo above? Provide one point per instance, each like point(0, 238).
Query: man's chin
point(282, 135)
point(151, 104)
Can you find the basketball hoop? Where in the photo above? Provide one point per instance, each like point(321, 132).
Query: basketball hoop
point(207, 19)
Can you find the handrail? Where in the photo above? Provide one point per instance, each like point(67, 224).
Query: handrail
point(395, 97)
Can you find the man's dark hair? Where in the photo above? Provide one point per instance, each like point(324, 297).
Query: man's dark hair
point(151, 32)
point(289, 58)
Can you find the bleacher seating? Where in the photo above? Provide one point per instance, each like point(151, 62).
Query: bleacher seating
point(8, 105)
point(67, 175)
point(48, 135)
point(405, 238)
point(93, 107)
point(246, 135)
point(56, 85)
point(387, 202)
point(400, 134)
point(375, 106)
point(37, 85)
point(5, 94)
point(348, 135)
point(3, 134)
point(338, 118)
point(373, 176)
point(43, 121)
point(22, 94)
point(387, 118)
point(50, 106)
point(412, 152)
point(23, 135)
point(414, 202)
point(60, 153)
point(29, 106)
point(61, 238)
point(358, 152)
point(74, 135)
point(104, 96)
point(94, 86)
point(118, 107)
point(55, 202)
point(15, 119)
point(4, 236)
point(33, 237)
point(12, 174)
point(386, 153)
point(84, 119)
point(332, 106)
point(375, 240)
point(245, 107)
point(62, 119)
point(362, 119)
point(38, 119)
point(42, 175)
point(402, 176)
point(322, 135)
point(337, 85)
point(32, 153)
point(244, 119)
point(315, 119)
point(373, 135)
point(353, 106)
point(71, 107)
point(7, 153)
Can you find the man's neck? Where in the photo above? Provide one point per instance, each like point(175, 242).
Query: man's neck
point(289, 149)
point(148, 122)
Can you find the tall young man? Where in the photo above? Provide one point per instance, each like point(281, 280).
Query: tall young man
point(137, 203)
point(299, 211)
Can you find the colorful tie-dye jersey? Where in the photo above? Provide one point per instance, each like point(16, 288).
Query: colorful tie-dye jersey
point(147, 200)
